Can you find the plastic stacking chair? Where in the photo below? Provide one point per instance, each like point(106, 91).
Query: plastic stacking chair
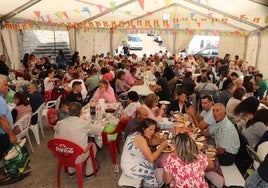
point(52, 118)
point(54, 103)
point(67, 153)
point(112, 140)
point(35, 128)
point(24, 123)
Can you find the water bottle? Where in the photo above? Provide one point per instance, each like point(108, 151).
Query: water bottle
point(92, 106)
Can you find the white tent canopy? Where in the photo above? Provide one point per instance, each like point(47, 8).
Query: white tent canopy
point(98, 26)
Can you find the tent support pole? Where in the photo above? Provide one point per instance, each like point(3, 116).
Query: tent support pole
point(258, 52)
point(111, 42)
point(75, 44)
point(246, 47)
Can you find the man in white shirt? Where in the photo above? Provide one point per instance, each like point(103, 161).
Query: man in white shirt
point(77, 130)
point(205, 119)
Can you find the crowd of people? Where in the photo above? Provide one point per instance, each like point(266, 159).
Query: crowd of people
point(222, 99)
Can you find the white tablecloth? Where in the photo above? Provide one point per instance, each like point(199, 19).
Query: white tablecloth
point(102, 119)
point(142, 90)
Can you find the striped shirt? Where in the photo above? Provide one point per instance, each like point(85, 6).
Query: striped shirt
point(226, 136)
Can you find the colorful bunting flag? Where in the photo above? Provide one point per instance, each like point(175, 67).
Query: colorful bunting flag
point(86, 9)
point(112, 4)
point(37, 13)
point(167, 2)
point(65, 14)
point(209, 15)
point(48, 18)
point(100, 8)
point(192, 15)
point(266, 19)
point(149, 13)
point(198, 24)
point(141, 3)
point(76, 11)
point(243, 17)
point(256, 20)
point(59, 14)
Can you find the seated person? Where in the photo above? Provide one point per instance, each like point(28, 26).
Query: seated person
point(226, 136)
point(63, 111)
point(22, 106)
point(226, 94)
point(134, 104)
point(35, 100)
point(259, 178)
point(264, 99)
point(104, 91)
point(77, 78)
point(237, 97)
point(256, 126)
point(161, 88)
point(137, 160)
point(180, 104)
point(131, 79)
point(120, 85)
point(191, 164)
point(205, 119)
point(140, 114)
point(75, 95)
point(151, 104)
point(76, 130)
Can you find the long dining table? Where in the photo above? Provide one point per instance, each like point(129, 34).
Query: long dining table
point(108, 115)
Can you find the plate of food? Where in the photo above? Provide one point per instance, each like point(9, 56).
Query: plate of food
point(168, 149)
point(164, 102)
point(199, 145)
point(200, 138)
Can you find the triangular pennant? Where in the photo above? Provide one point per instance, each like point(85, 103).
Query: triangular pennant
point(86, 9)
point(243, 17)
point(167, 2)
point(48, 18)
point(198, 24)
point(192, 15)
point(112, 4)
point(59, 14)
point(42, 18)
point(266, 19)
point(76, 11)
point(141, 2)
point(37, 13)
point(65, 14)
point(99, 7)
point(150, 13)
point(209, 15)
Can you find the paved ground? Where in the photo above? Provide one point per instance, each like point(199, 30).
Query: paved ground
point(43, 165)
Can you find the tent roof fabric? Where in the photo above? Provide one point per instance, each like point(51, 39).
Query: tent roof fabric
point(244, 15)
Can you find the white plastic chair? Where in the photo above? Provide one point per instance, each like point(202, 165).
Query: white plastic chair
point(35, 128)
point(54, 103)
point(24, 123)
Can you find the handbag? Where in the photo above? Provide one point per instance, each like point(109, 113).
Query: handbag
point(16, 160)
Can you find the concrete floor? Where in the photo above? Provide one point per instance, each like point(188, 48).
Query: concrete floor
point(43, 165)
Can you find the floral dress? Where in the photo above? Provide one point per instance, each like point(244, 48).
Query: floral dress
point(186, 175)
point(134, 164)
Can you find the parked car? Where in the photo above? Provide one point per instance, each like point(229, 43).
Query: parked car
point(134, 42)
point(208, 53)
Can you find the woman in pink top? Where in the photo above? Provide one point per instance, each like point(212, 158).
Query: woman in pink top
point(186, 166)
point(104, 91)
point(151, 104)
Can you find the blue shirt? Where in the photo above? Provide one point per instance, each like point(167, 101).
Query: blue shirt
point(4, 111)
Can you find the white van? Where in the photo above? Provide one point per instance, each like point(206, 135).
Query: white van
point(134, 42)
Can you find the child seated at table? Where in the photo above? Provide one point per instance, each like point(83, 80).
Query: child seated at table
point(63, 111)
